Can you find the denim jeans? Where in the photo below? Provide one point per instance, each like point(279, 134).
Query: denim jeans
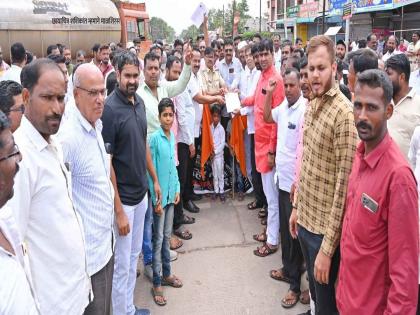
point(147, 235)
point(239, 180)
point(322, 294)
point(162, 230)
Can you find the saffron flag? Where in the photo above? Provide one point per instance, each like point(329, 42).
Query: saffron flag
point(236, 141)
point(207, 146)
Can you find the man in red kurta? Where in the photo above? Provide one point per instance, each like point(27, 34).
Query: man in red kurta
point(379, 242)
point(265, 143)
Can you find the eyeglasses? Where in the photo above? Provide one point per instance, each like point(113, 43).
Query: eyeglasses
point(20, 108)
point(202, 47)
point(93, 93)
point(15, 152)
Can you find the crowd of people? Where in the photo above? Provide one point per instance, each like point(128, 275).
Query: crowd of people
point(99, 160)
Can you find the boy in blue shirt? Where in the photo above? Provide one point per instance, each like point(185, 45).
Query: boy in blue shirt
point(162, 147)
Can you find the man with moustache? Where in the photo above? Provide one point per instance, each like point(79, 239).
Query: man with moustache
point(230, 70)
point(91, 181)
point(380, 236)
point(391, 47)
point(103, 55)
point(265, 144)
point(405, 100)
point(14, 270)
point(48, 223)
point(288, 117)
point(152, 91)
point(249, 80)
point(329, 144)
point(124, 133)
point(199, 96)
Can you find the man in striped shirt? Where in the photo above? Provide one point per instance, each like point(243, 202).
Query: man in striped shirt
point(92, 191)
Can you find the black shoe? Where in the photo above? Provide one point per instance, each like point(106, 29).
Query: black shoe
point(195, 206)
point(195, 197)
point(191, 207)
point(307, 313)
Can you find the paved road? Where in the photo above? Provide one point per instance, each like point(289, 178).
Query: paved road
point(221, 275)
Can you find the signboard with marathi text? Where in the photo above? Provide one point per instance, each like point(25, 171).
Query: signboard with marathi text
point(293, 11)
point(310, 9)
point(336, 7)
point(362, 6)
point(347, 10)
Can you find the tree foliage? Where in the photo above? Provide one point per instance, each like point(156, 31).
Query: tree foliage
point(159, 29)
point(191, 32)
point(218, 20)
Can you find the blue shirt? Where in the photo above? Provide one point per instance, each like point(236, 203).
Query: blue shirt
point(163, 157)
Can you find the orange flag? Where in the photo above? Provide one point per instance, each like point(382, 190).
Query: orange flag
point(237, 140)
point(207, 145)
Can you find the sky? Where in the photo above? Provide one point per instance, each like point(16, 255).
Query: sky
point(177, 13)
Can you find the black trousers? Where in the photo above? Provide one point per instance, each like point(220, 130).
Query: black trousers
point(256, 178)
point(188, 191)
point(322, 294)
point(102, 288)
point(291, 254)
point(183, 176)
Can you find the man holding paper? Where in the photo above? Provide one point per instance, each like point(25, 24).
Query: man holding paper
point(265, 144)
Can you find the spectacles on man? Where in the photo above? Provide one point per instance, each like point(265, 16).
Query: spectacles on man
point(93, 93)
point(20, 108)
point(15, 152)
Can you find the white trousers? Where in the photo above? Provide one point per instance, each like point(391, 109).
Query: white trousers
point(273, 219)
point(217, 166)
point(127, 251)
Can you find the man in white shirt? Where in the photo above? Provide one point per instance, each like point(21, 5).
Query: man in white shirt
point(277, 51)
point(406, 115)
point(18, 54)
point(413, 49)
point(16, 296)
point(288, 117)
point(42, 204)
point(91, 181)
point(230, 70)
point(391, 45)
point(247, 86)
point(415, 76)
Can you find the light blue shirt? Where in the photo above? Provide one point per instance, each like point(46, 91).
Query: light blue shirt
point(92, 191)
point(163, 157)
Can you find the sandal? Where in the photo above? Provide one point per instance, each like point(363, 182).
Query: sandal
point(175, 243)
point(305, 298)
point(290, 297)
point(156, 294)
point(253, 205)
point(183, 234)
point(279, 275)
point(265, 250)
point(262, 237)
point(173, 281)
point(187, 220)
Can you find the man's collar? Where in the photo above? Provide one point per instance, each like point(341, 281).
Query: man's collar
point(375, 155)
point(83, 121)
point(34, 136)
point(410, 94)
point(124, 98)
point(299, 102)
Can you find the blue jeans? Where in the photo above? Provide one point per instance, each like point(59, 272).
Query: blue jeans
point(161, 236)
point(147, 235)
point(239, 181)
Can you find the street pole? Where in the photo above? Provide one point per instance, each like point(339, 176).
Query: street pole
point(323, 16)
point(260, 16)
point(347, 36)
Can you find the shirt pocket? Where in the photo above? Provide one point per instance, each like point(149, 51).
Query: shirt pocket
point(292, 136)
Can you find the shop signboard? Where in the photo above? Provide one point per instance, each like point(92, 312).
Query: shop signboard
point(292, 11)
point(336, 7)
point(309, 9)
point(362, 6)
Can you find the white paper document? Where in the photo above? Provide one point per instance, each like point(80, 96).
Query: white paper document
point(198, 16)
point(232, 102)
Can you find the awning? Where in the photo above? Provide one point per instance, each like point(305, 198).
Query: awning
point(135, 14)
point(333, 30)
